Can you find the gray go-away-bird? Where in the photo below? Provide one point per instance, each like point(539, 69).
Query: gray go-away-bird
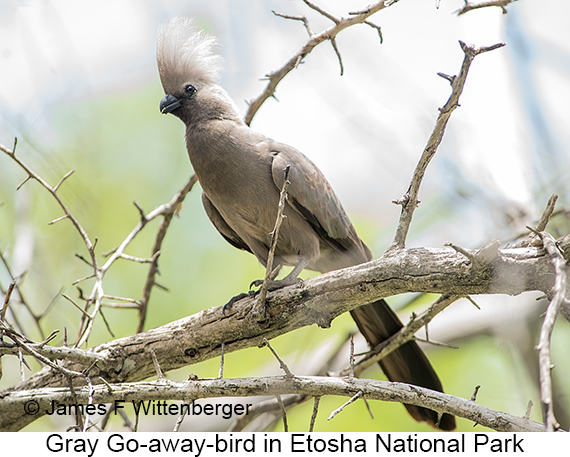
point(242, 172)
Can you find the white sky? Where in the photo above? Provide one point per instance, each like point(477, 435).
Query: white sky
point(365, 129)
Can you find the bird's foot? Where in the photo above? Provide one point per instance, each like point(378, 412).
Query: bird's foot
point(228, 306)
point(277, 283)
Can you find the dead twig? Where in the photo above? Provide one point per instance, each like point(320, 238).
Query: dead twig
point(344, 405)
point(473, 6)
point(329, 34)
point(269, 272)
point(544, 359)
point(410, 201)
point(405, 334)
point(282, 364)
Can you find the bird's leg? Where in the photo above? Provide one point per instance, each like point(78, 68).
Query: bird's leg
point(290, 279)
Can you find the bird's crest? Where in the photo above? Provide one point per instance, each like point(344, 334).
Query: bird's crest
point(185, 54)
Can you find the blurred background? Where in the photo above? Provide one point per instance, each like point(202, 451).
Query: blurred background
point(80, 90)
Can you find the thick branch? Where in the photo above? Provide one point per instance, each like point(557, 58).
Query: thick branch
point(314, 386)
point(315, 301)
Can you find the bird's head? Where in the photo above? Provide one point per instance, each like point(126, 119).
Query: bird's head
point(189, 69)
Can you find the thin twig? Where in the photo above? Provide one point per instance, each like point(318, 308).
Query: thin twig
point(475, 392)
point(403, 335)
point(544, 359)
point(123, 299)
point(167, 211)
point(159, 373)
point(70, 300)
point(67, 175)
point(283, 413)
point(377, 28)
point(316, 402)
point(337, 52)
point(473, 302)
point(21, 358)
point(473, 6)
point(221, 371)
point(182, 416)
point(20, 341)
point(141, 259)
point(7, 296)
point(528, 410)
point(410, 201)
point(462, 251)
point(282, 364)
point(275, 77)
point(546, 215)
point(78, 416)
point(50, 337)
point(90, 246)
point(21, 297)
point(367, 403)
point(303, 19)
point(351, 358)
point(321, 11)
point(270, 406)
point(344, 405)
point(436, 343)
point(274, 238)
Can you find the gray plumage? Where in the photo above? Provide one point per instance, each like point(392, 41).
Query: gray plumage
point(241, 173)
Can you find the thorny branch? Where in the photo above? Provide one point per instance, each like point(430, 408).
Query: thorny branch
point(167, 210)
point(15, 287)
point(404, 335)
point(271, 407)
point(311, 386)
point(97, 295)
point(329, 34)
point(410, 201)
point(316, 300)
point(486, 4)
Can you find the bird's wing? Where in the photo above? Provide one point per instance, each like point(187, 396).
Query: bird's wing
point(221, 225)
point(311, 195)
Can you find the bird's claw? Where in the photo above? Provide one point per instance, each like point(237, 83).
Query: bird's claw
point(256, 283)
point(228, 306)
point(276, 284)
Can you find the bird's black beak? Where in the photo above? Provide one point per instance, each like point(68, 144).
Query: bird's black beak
point(169, 103)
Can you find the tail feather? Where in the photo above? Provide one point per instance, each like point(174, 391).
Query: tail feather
point(408, 363)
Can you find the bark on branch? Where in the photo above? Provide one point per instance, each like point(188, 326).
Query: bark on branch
point(274, 385)
point(316, 301)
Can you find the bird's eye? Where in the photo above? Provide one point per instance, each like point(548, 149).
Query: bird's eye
point(190, 90)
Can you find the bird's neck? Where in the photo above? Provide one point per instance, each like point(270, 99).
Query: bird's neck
point(221, 150)
point(212, 145)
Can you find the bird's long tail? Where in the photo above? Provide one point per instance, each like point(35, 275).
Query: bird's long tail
point(408, 363)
